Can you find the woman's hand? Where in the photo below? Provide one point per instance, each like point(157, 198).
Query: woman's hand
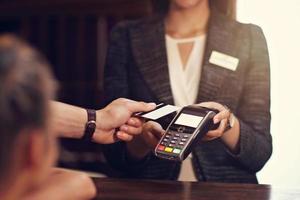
point(141, 145)
point(152, 133)
point(222, 117)
point(229, 137)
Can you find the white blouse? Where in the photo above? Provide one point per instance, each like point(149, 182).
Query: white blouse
point(185, 80)
point(185, 83)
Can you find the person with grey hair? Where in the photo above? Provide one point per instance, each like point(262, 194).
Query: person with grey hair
point(30, 123)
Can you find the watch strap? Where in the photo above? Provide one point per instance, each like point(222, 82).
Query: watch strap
point(90, 125)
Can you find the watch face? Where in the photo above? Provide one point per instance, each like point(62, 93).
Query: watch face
point(91, 125)
point(90, 128)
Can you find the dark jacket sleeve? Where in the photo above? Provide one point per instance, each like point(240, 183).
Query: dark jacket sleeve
point(117, 85)
point(254, 107)
point(115, 72)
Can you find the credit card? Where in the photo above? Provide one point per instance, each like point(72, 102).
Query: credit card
point(161, 110)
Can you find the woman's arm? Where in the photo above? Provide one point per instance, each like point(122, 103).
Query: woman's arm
point(254, 108)
point(249, 140)
point(230, 137)
point(117, 85)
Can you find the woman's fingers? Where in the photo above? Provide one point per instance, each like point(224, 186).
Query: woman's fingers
point(150, 139)
point(208, 138)
point(212, 105)
point(218, 132)
point(152, 132)
point(221, 116)
point(135, 122)
point(154, 128)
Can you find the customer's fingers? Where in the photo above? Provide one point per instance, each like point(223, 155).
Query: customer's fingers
point(134, 106)
point(130, 130)
point(135, 122)
point(124, 136)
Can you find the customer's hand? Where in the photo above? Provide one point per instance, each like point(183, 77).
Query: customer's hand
point(115, 122)
point(141, 145)
point(222, 118)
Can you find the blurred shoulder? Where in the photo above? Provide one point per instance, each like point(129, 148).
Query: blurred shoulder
point(251, 30)
point(232, 26)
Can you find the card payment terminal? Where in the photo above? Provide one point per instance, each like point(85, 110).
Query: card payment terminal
point(186, 130)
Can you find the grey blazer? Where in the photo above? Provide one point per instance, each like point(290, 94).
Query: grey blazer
point(137, 68)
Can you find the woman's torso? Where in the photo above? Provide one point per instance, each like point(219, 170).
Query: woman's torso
point(148, 79)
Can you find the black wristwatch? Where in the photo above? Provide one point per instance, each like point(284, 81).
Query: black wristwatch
point(90, 125)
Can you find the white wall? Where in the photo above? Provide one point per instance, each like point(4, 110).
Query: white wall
point(280, 20)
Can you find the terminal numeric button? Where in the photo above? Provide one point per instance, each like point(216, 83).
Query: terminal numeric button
point(183, 140)
point(181, 143)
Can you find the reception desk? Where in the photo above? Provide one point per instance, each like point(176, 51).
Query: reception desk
point(109, 189)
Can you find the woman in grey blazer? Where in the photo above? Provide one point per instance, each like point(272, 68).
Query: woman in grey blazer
point(234, 72)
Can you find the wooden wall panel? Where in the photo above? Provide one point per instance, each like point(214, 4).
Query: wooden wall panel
point(73, 34)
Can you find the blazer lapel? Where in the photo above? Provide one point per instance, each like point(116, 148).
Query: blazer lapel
point(220, 38)
point(150, 54)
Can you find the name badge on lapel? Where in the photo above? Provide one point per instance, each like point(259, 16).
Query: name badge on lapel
point(223, 60)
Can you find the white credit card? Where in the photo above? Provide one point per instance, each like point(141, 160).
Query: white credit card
point(160, 111)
